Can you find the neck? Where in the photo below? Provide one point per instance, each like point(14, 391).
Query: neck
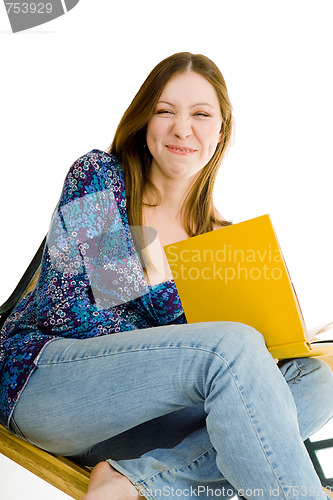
point(172, 192)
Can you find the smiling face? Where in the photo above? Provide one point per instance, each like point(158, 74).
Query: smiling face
point(184, 131)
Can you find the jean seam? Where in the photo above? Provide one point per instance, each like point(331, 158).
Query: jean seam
point(242, 396)
point(301, 369)
point(205, 349)
point(133, 479)
point(16, 429)
point(174, 469)
point(34, 368)
point(299, 374)
point(144, 349)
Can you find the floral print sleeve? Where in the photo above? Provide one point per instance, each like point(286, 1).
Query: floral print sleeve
point(91, 282)
point(90, 263)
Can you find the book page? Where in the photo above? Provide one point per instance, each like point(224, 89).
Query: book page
point(322, 332)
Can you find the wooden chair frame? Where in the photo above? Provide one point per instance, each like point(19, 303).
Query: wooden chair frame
point(62, 473)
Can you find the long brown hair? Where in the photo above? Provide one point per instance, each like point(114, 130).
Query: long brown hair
point(129, 144)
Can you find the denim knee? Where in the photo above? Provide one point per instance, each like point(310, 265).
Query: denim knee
point(317, 365)
point(236, 339)
point(321, 374)
point(310, 381)
point(238, 331)
point(250, 337)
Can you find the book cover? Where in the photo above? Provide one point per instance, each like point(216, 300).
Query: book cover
point(238, 273)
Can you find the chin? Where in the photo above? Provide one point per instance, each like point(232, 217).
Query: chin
point(180, 174)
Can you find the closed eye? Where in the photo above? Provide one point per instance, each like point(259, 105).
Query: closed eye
point(169, 112)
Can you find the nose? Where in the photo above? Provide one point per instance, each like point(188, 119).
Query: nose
point(182, 128)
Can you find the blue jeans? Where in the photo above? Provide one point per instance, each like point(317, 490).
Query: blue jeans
point(197, 410)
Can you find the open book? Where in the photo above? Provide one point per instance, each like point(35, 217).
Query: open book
point(238, 273)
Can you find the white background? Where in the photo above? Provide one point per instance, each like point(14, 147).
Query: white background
point(64, 86)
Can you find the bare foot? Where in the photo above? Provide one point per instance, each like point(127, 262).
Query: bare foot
point(108, 484)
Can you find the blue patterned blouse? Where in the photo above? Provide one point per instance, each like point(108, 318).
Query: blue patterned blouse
point(91, 281)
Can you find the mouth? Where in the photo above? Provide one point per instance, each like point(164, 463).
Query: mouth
point(180, 150)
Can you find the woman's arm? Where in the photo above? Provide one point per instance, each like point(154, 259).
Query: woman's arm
point(88, 246)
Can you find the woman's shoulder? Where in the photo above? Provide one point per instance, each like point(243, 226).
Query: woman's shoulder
point(94, 171)
point(97, 159)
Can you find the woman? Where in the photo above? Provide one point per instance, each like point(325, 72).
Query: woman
point(164, 408)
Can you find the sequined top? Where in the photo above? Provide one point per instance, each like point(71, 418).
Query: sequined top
point(91, 280)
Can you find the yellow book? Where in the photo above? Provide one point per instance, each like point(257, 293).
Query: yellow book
point(238, 273)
